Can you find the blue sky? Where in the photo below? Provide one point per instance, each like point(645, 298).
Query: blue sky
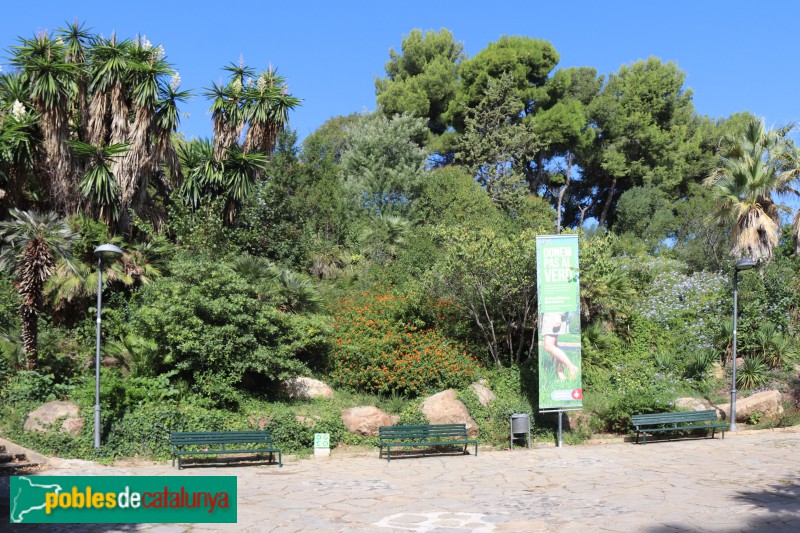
point(737, 55)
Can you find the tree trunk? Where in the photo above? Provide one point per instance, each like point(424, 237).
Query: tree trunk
point(563, 192)
point(30, 335)
point(583, 214)
point(607, 206)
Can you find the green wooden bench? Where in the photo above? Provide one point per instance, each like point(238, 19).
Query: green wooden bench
point(679, 421)
point(427, 435)
point(219, 443)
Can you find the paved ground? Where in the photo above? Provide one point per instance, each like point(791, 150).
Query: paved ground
point(750, 481)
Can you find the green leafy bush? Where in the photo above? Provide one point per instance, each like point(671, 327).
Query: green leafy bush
point(375, 350)
point(636, 388)
point(29, 387)
point(217, 330)
point(144, 430)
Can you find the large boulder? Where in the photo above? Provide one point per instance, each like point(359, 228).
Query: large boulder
point(691, 404)
point(768, 403)
point(484, 394)
point(306, 389)
point(446, 408)
point(43, 418)
point(366, 420)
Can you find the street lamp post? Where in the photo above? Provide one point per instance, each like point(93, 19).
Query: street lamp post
point(105, 251)
point(745, 263)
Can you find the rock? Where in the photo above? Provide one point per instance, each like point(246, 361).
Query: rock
point(110, 362)
point(303, 388)
point(259, 423)
point(767, 403)
point(42, 418)
point(445, 408)
point(485, 395)
point(309, 421)
point(366, 420)
point(691, 404)
point(717, 370)
point(573, 420)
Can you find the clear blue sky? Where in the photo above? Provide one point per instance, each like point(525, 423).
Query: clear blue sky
point(738, 56)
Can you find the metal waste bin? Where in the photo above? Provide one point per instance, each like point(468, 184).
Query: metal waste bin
point(520, 428)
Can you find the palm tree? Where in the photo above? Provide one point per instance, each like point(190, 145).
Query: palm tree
point(17, 140)
point(98, 184)
point(50, 80)
point(77, 87)
point(754, 165)
point(32, 243)
point(267, 110)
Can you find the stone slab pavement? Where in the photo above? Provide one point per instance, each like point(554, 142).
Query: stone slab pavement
point(748, 481)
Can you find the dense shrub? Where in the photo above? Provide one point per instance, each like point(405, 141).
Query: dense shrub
point(29, 387)
point(144, 430)
point(632, 389)
point(375, 350)
point(513, 388)
point(215, 328)
point(687, 307)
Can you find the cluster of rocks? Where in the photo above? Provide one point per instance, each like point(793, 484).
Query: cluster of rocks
point(441, 408)
point(768, 404)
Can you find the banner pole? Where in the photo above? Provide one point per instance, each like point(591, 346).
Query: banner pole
point(560, 414)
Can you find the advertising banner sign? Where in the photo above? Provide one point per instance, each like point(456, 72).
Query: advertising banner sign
point(557, 282)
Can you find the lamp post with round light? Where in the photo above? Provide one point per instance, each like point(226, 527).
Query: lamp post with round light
point(745, 263)
point(107, 252)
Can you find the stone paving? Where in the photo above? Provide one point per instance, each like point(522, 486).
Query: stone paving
point(749, 481)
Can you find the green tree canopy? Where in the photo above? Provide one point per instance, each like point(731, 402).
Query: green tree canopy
point(421, 81)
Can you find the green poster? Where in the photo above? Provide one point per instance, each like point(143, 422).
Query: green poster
point(557, 281)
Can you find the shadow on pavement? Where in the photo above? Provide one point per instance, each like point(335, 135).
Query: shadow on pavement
point(781, 500)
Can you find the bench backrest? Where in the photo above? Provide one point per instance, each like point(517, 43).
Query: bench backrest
point(671, 418)
point(220, 437)
point(428, 431)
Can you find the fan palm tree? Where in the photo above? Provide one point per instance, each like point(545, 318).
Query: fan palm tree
point(755, 165)
point(32, 243)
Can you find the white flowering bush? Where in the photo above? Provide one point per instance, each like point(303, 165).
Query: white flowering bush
point(691, 306)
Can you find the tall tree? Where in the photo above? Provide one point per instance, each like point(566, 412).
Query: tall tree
point(421, 80)
point(528, 61)
point(493, 146)
point(384, 161)
point(646, 135)
point(32, 243)
point(755, 165)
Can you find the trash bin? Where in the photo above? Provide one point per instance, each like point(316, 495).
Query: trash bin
point(520, 428)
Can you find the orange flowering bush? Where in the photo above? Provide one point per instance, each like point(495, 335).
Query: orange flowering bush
point(375, 350)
